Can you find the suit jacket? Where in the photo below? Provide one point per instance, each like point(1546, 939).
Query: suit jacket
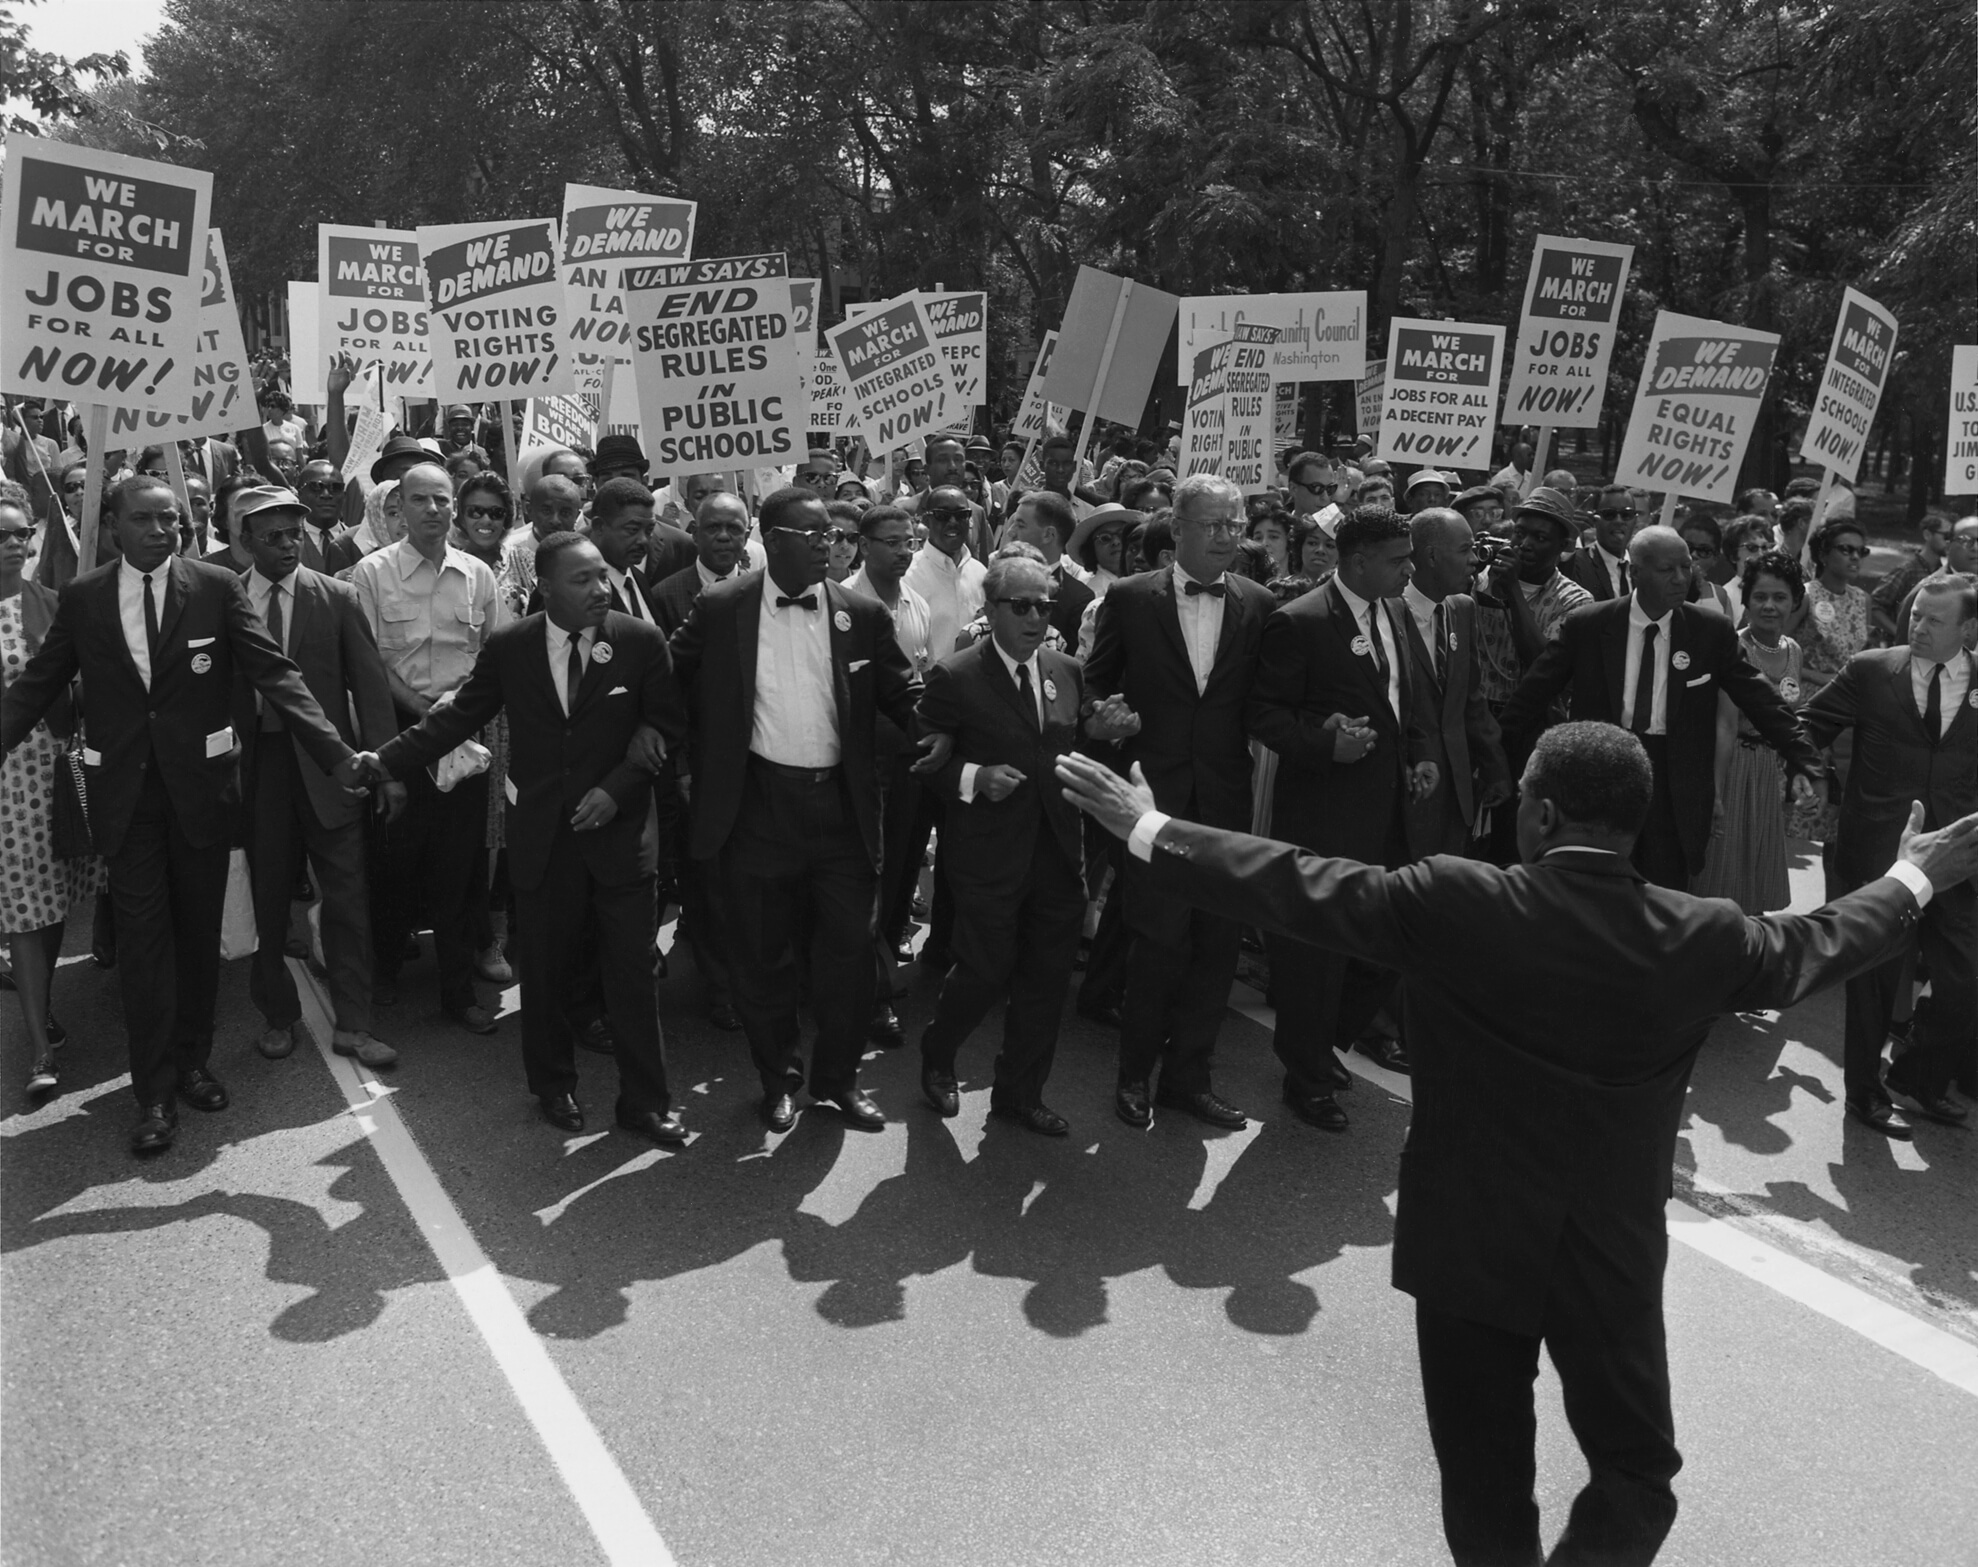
point(1589, 657)
point(555, 760)
point(1554, 1013)
point(1307, 670)
point(1895, 759)
point(1589, 573)
point(1465, 740)
point(330, 641)
point(669, 550)
point(1072, 596)
point(183, 722)
point(1193, 745)
point(673, 598)
point(714, 655)
point(988, 845)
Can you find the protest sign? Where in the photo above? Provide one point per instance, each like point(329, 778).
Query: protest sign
point(1109, 348)
point(1961, 442)
point(373, 307)
point(1202, 415)
point(1033, 415)
point(901, 387)
point(830, 397)
point(1368, 398)
point(1284, 416)
point(560, 421)
point(803, 333)
point(1851, 388)
point(497, 309)
point(961, 327)
point(306, 369)
point(367, 439)
point(101, 272)
point(222, 386)
point(1440, 392)
point(603, 230)
point(1248, 409)
point(1566, 332)
point(715, 362)
point(1321, 337)
point(1701, 386)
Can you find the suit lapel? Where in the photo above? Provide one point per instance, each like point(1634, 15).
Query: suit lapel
point(1348, 629)
point(1422, 655)
point(174, 605)
point(1168, 612)
point(112, 620)
point(1232, 625)
point(1902, 693)
point(833, 604)
point(1614, 656)
point(596, 670)
point(748, 626)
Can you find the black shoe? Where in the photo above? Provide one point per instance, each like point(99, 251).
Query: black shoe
point(1880, 1116)
point(856, 1106)
point(1104, 1013)
point(201, 1089)
point(58, 1036)
point(1320, 1110)
point(936, 960)
point(724, 1017)
point(779, 1111)
point(885, 1030)
point(157, 1125)
point(661, 969)
point(1041, 1119)
point(596, 1036)
point(1131, 1105)
point(1388, 1052)
point(105, 956)
point(941, 1092)
point(476, 1019)
point(1341, 1078)
point(562, 1112)
point(1204, 1106)
point(662, 1126)
point(1932, 1104)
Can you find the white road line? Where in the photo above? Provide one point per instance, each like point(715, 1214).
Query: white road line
point(596, 1483)
point(1943, 1355)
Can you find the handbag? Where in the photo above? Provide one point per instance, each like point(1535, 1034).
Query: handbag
point(70, 828)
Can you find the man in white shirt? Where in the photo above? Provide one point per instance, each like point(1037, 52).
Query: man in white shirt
point(946, 573)
point(1604, 570)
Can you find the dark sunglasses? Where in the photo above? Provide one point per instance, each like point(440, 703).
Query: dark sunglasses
point(1853, 551)
point(947, 514)
point(16, 533)
point(323, 487)
point(278, 535)
point(843, 536)
point(492, 513)
point(811, 536)
point(1626, 515)
point(76, 488)
point(1039, 607)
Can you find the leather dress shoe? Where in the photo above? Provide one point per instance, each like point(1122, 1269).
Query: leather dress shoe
point(1878, 1115)
point(492, 965)
point(562, 1112)
point(276, 1043)
point(724, 1017)
point(662, 1126)
point(476, 1019)
point(157, 1125)
point(856, 1106)
point(1389, 1052)
point(1131, 1105)
point(1204, 1106)
point(1104, 1013)
point(1038, 1118)
point(942, 1093)
point(1933, 1104)
point(885, 1030)
point(369, 1050)
point(779, 1111)
point(596, 1036)
point(201, 1089)
point(1320, 1110)
point(1341, 1078)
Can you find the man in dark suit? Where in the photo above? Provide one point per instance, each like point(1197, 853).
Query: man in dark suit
point(721, 532)
point(1013, 843)
point(1914, 713)
point(1180, 646)
point(1044, 519)
point(1339, 697)
point(785, 673)
point(156, 639)
point(1606, 570)
point(291, 803)
point(1555, 1010)
point(1465, 744)
point(577, 682)
point(321, 490)
point(1653, 664)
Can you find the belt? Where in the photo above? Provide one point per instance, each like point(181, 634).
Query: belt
point(803, 775)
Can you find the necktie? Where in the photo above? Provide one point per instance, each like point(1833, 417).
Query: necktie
point(1373, 641)
point(151, 623)
point(573, 674)
point(1029, 694)
point(1441, 674)
point(626, 600)
point(1213, 589)
point(1621, 571)
point(277, 627)
point(1933, 706)
point(802, 601)
point(1638, 720)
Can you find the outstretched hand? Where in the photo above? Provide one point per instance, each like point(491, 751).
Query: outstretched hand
point(1947, 856)
point(1103, 795)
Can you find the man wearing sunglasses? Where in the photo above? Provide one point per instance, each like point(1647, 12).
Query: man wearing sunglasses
point(1312, 483)
point(1603, 570)
point(321, 490)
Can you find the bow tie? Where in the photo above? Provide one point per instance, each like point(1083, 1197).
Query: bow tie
point(1213, 589)
point(803, 601)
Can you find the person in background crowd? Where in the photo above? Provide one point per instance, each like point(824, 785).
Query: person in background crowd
point(1795, 520)
point(1960, 560)
point(1746, 860)
point(1273, 531)
point(1933, 536)
point(947, 463)
point(278, 418)
point(853, 489)
point(284, 464)
point(1516, 474)
point(1759, 503)
point(1044, 520)
point(483, 516)
point(719, 531)
point(1707, 563)
point(1312, 480)
point(619, 457)
point(554, 504)
point(1377, 489)
point(230, 542)
point(1603, 569)
point(1831, 626)
point(1425, 488)
point(1151, 493)
point(843, 548)
point(383, 524)
point(1481, 507)
point(457, 435)
point(321, 491)
point(1059, 457)
point(199, 500)
point(27, 456)
point(983, 456)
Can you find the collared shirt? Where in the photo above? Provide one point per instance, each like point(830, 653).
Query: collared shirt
point(1611, 565)
point(1201, 623)
point(557, 640)
point(1638, 622)
point(430, 621)
point(1423, 609)
point(130, 609)
point(970, 769)
point(951, 587)
point(260, 590)
point(910, 618)
point(1497, 652)
point(630, 600)
point(796, 710)
point(707, 578)
point(1384, 628)
point(1951, 692)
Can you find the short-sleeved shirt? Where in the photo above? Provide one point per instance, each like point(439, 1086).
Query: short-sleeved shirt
point(1497, 653)
point(430, 621)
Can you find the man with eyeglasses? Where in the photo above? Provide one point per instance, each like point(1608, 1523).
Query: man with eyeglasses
point(322, 492)
point(1045, 520)
point(818, 473)
point(947, 465)
point(1312, 480)
point(1603, 570)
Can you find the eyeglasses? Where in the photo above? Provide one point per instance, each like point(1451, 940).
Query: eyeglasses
point(909, 542)
point(1622, 514)
point(76, 488)
point(811, 536)
point(16, 533)
point(1324, 483)
point(1219, 530)
point(1852, 551)
point(278, 535)
point(815, 478)
point(947, 514)
point(485, 513)
point(1027, 607)
point(843, 536)
point(323, 487)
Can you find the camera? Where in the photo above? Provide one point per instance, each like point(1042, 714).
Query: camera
point(1489, 549)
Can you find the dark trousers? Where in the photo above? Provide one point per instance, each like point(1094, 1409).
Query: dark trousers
point(571, 926)
point(1659, 853)
point(903, 874)
point(1015, 947)
point(169, 895)
point(1323, 999)
point(1175, 998)
point(434, 856)
point(1104, 984)
point(1608, 1349)
point(281, 817)
point(700, 915)
point(796, 862)
point(1945, 1035)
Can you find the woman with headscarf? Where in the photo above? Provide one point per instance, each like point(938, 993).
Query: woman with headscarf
point(382, 525)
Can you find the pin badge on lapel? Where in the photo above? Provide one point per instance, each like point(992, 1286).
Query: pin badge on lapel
point(1362, 648)
point(201, 662)
point(842, 621)
point(1789, 690)
point(1050, 689)
point(602, 652)
point(1971, 701)
point(1679, 661)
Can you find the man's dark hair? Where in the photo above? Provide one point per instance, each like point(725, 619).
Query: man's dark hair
point(871, 518)
point(1300, 460)
point(784, 503)
point(553, 546)
point(136, 484)
point(1157, 537)
point(1134, 495)
point(1807, 488)
point(1367, 526)
point(1053, 510)
point(1700, 521)
point(1774, 564)
point(1747, 499)
point(944, 440)
point(844, 513)
point(615, 495)
point(274, 397)
point(1596, 774)
point(1053, 442)
point(1795, 513)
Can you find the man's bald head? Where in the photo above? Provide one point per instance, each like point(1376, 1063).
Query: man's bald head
point(1659, 562)
point(723, 504)
point(1441, 541)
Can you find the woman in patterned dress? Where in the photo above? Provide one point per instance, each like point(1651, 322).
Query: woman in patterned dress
point(36, 888)
point(1833, 629)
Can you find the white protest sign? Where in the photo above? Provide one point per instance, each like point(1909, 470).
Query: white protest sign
point(1284, 416)
point(1858, 362)
point(803, 333)
point(603, 229)
point(1248, 409)
point(367, 439)
point(1033, 413)
point(101, 269)
point(373, 303)
point(1441, 392)
point(1202, 415)
point(901, 388)
point(830, 397)
point(1109, 348)
point(1961, 441)
point(1321, 337)
point(1368, 397)
point(1702, 383)
point(961, 327)
point(306, 370)
point(222, 386)
point(560, 421)
point(715, 361)
point(1566, 332)
point(497, 309)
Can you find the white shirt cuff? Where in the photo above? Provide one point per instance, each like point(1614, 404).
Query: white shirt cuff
point(969, 770)
point(1140, 843)
point(1915, 881)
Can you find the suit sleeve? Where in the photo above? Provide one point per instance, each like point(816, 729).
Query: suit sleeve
point(1107, 665)
point(1479, 724)
point(1275, 712)
point(686, 643)
point(940, 712)
point(45, 679)
point(1423, 719)
point(1836, 708)
point(1550, 674)
point(1788, 957)
point(270, 671)
point(475, 702)
point(364, 671)
point(896, 688)
point(661, 705)
point(1739, 679)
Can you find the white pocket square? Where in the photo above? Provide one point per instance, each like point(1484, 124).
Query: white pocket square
point(616, 691)
point(1700, 680)
point(856, 665)
point(197, 641)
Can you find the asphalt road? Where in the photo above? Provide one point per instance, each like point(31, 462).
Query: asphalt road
point(430, 1329)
